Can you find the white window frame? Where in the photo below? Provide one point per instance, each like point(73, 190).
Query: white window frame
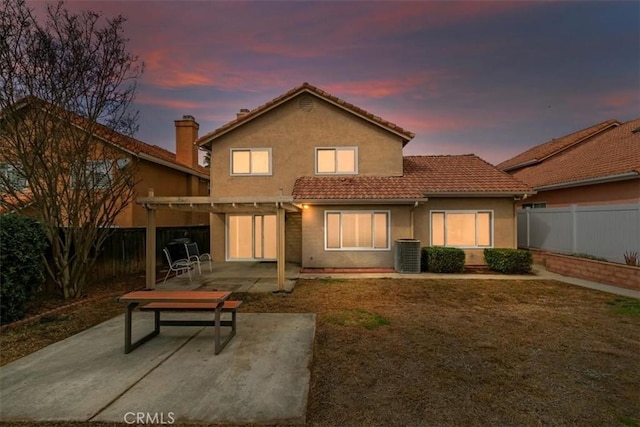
point(89, 168)
point(12, 174)
point(336, 149)
point(251, 150)
point(253, 238)
point(470, 211)
point(373, 226)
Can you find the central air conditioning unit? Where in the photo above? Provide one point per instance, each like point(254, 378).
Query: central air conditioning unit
point(407, 256)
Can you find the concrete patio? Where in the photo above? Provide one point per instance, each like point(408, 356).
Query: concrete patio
point(262, 376)
point(233, 276)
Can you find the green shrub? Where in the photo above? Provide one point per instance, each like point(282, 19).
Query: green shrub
point(438, 259)
point(22, 243)
point(509, 261)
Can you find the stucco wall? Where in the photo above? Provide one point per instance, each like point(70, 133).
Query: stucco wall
point(165, 182)
point(608, 193)
point(293, 135)
point(504, 232)
point(315, 256)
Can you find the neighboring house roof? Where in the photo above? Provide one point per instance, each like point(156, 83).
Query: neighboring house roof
point(424, 176)
point(8, 202)
point(543, 151)
point(610, 155)
point(152, 153)
point(306, 87)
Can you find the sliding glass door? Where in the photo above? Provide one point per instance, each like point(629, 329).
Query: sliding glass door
point(251, 237)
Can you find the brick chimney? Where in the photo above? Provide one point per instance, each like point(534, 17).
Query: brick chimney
point(186, 135)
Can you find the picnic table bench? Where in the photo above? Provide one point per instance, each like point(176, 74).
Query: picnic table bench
point(180, 301)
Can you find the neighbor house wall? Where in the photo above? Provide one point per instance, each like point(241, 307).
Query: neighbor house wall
point(165, 181)
point(293, 134)
point(504, 222)
point(599, 194)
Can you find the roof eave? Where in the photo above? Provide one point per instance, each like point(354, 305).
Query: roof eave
point(407, 201)
point(590, 181)
point(177, 167)
point(521, 165)
point(513, 193)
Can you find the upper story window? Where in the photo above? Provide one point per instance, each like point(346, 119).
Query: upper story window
point(336, 160)
point(251, 161)
point(12, 177)
point(96, 174)
point(463, 229)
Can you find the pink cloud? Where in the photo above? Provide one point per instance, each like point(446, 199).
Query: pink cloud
point(431, 80)
point(621, 99)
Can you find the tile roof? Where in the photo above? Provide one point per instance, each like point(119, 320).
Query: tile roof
point(556, 145)
point(125, 142)
point(8, 202)
point(305, 87)
point(424, 176)
point(610, 153)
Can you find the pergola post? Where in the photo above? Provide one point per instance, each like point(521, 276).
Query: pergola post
point(151, 248)
point(281, 262)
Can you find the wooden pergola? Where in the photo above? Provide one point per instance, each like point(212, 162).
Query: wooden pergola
point(278, 205)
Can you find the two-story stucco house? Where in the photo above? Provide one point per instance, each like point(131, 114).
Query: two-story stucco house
point(328, 180)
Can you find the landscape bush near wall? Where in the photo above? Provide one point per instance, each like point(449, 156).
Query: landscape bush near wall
point(624, 276)
point(22, 243)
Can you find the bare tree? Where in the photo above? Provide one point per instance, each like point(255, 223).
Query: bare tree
point(66, 84)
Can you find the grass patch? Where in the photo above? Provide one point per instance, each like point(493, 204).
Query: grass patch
point(625, 307)
point(357, 318)
point(442, 352)
point(629, 421)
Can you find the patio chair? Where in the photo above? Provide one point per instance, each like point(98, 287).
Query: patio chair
point(194, 255)
point(178, 266)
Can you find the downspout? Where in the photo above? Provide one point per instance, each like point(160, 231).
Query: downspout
point(415, 206)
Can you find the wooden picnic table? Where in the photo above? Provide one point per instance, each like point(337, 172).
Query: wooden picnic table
point(159, 301)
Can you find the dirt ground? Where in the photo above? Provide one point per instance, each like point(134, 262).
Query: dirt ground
point(442, 352)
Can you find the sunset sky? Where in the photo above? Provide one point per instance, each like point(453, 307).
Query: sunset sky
point(490, 78)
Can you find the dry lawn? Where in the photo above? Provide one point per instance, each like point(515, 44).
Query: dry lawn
point(450, 352)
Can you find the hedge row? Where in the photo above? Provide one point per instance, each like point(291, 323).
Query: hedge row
point(22, 243)
point(438, 259)
point(508, 261)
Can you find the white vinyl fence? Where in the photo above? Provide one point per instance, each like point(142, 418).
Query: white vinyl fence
point(606, 231)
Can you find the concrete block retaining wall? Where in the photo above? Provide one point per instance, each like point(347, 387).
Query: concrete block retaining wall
point(624, 276)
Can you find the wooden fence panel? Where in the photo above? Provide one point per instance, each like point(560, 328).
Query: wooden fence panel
point(124, 251)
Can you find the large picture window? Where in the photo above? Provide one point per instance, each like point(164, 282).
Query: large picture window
point(467, 229)
point(356, 230)
point(336, 160)
point(251, 161)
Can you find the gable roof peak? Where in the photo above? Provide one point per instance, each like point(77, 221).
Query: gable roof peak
point(207, 139)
